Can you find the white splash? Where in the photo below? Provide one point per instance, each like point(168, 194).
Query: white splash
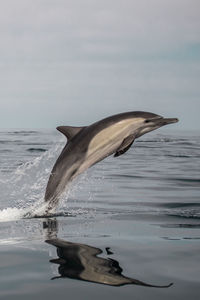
point(11, 214)
point(22, 191)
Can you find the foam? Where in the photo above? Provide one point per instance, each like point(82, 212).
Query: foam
point(11, 214)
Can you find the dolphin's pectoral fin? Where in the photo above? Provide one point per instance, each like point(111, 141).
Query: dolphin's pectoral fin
point(125, 145)
point(69, 131)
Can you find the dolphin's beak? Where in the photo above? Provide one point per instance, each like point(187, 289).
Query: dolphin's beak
point(161, 121)
point(166, 121)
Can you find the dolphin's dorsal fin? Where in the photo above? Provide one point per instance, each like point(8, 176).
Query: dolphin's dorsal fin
point(125, 145)
point(69, 131)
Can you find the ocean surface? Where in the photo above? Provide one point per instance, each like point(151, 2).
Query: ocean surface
point(128, 228)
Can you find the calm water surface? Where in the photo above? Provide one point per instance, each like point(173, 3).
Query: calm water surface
point(126, 229)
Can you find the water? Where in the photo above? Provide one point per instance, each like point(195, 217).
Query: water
point(125, 224)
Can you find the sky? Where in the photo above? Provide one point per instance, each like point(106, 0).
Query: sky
point(73, 62)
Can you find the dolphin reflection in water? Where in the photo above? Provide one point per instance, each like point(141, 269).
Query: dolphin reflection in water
point(90, 144)
point(80, 261)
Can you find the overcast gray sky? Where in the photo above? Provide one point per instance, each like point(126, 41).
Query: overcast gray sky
point(73, 62)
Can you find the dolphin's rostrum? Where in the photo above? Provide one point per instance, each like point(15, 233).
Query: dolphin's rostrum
point(88, 145)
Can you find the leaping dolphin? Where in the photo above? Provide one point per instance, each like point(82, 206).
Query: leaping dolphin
point(88, 145)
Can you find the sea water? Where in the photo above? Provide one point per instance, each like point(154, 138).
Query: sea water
point(135, 217)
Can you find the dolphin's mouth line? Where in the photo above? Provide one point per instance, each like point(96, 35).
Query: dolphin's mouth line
point(174, 120)
point(153, 119)
point(162, 120)
point(166, 121)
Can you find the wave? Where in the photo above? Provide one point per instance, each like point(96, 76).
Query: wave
point(181, 181)
point(22, 132)
point(5, 150)
point(34, 144)
point(181, 156)
point(36, 149)
point(186, 214)
point(162, 140)
point(180, 225)
point(180, 204)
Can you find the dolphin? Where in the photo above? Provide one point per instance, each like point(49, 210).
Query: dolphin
point(90, 144)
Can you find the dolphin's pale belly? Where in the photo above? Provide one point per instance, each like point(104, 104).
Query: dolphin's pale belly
point(106, 142)
point(98, 155)
point(115, 133)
